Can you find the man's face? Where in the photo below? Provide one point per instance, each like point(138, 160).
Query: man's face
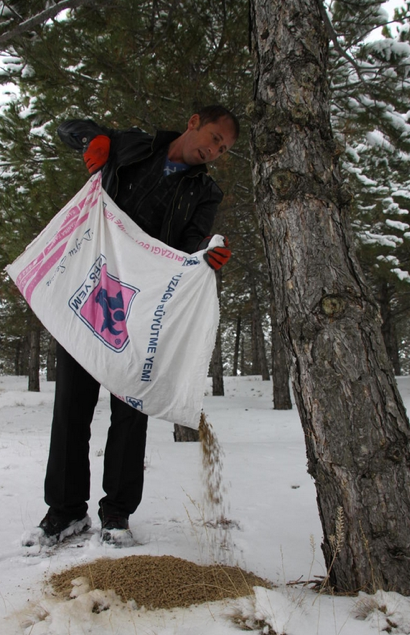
point(206, 143)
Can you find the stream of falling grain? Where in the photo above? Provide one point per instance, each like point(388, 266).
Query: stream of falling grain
point(215, 508)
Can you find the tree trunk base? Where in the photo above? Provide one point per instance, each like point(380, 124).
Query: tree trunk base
point(184, 433)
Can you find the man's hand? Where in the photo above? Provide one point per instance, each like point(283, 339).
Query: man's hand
point(97, 153)
point(218, 253)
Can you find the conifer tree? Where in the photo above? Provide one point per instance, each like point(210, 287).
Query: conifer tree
point(150, 66)
point(370, 94)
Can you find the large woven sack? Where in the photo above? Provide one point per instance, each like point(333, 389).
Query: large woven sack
point(139, 316)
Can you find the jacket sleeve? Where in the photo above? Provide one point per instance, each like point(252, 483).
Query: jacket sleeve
point(200, 225)
point(77, 133)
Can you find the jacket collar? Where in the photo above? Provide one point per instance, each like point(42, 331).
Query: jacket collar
point(164, 137)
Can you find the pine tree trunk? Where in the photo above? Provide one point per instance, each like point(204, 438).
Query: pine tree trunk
point(17, 357)
point(389, 327)
point(243, 364)
point(34, 360)
point(262, 363)
point(356, 430)
point(216, 363)
point(185, 433)
point(280, 368)
point(22, 356)
point(255, 348)
point(52, 359)
point(217, 367)
point(237, 345)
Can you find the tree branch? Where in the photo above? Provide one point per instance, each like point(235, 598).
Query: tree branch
point(333, 36)
point(47, 14)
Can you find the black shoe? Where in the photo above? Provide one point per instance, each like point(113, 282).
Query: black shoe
point(115, 531)
point(55, 528)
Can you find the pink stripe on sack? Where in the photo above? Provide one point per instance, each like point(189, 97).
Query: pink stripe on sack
point(47, 265)
point(68, 225)
point(35, 271)
point(28, 292)
point(32, 270)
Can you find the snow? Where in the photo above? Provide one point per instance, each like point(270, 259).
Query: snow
point(377, 138)
point(402, 275)
point(402, 193)
point(396, 224)
point(369, 238)
point(268, 495)
point(390, 45)
point(392, 259)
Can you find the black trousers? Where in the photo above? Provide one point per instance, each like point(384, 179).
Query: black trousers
point(67, 482)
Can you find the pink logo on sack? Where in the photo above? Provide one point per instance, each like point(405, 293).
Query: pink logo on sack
point(103, 303)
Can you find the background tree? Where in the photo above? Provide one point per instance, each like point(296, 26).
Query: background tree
point(151, 64)
point(370, 94)
point(122, 67)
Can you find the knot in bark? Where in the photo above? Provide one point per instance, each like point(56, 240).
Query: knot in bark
point(333, 306)
point(285, 183)
point(394, 453)
point(269, 143)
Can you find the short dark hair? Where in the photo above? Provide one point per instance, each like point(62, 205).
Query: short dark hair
point(211, 114)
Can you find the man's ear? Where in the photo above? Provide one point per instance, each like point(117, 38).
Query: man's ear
point(194, 122)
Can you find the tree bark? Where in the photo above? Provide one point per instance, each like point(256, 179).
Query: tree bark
point(217, 367)
point(21, 356)
point(52, 359)
point(243, 364)
point(237, 345)
point(280, 368)
point(24, 355)
point(34, 360)
point(216, 363)
point(261, 363)
point(356, 431)
point(255, 346)
point(185, 433)
point(389, 326)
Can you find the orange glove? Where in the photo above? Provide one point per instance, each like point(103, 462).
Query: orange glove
point(97, 153)
point(216, 257)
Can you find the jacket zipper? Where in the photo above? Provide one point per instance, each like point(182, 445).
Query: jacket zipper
point(176, 193)
point(137, 161)
point(173, 204)
point(172, 209)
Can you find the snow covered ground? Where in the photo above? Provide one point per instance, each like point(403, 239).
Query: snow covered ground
point(268, 497)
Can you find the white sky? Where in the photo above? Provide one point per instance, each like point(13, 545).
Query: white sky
point(390, 6)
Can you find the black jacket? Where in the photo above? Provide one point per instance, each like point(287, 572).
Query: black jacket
point(194, 201)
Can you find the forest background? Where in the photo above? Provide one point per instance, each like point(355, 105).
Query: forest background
point(152, 64)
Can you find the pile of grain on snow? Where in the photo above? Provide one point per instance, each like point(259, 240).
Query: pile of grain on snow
point(161, 581)
point(165, 581)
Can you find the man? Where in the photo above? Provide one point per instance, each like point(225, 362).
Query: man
point(161, 182)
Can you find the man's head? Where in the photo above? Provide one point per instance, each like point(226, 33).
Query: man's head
point(212, 114)
point(210, 133)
